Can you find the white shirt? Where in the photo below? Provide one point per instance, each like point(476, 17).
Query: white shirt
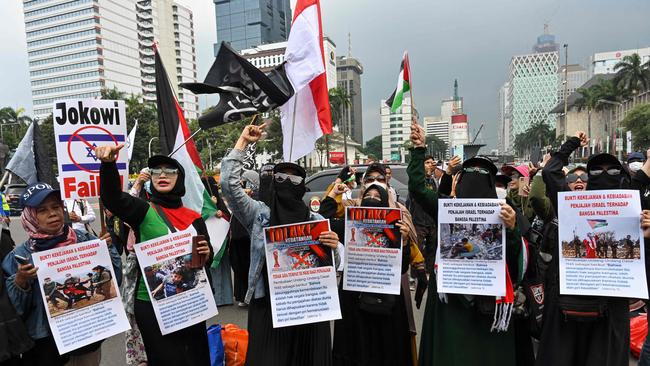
point(76, 207)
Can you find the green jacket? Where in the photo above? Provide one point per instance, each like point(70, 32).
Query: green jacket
point(522, 203)
point(540, 203)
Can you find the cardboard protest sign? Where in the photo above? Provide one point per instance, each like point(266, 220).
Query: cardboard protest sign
point(180, 294)
point(373, 250)
point(79, 127)
point(601, 248)
point(302, 277)
point(80, 294)
point(471, 247)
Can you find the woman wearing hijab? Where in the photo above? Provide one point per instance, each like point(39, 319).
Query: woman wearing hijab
point(43, 220)
point(457, 329)
point(601, 335)
point(164, 213)
point(370, 336)
point(308, 344)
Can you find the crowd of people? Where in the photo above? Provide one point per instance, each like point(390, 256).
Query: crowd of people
point(375, 329)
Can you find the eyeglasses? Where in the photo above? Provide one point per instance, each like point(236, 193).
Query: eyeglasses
point(156, 172)
point(375, 178)
point(612, 171)
point(282, 177)
point(573, 177)
point(476, 170)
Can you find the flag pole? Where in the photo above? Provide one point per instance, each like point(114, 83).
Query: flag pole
point(185, 142)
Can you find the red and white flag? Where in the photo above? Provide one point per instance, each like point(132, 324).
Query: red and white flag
point(309, 108)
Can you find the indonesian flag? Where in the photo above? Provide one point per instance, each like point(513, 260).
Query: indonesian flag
point(403, 85)
point(173, 133)
point(309, 108)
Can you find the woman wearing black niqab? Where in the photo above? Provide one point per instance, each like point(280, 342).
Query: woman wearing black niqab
point(301, 345)
point(455, 330)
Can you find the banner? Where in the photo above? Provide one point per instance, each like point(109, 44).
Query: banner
point(601, 244)
point(373, 250)
point(471, 247)
point(80, 294)
point(180, 294)
point(302, 277)
point(79, 127)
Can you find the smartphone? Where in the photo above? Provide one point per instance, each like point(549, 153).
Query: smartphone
point(22, 260)
point(523, 182)
point(197, 259)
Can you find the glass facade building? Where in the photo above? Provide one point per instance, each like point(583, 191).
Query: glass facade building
point(249, 23)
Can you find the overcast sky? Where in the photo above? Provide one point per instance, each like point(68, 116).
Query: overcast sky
point(471, 40)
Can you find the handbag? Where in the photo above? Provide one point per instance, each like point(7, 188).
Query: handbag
point(380, 304)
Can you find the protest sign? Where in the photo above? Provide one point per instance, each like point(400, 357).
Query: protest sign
point(80, 294)
point(79, 127)
point(180, 294)
point(471, 247)
point(601, 244)
point(302, 277)
point(373, 250)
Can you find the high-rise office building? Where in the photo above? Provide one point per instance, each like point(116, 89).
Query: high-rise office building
point(249, 23)
point(436, 126)
point(395, 129)
point(533, 88)
point(576, 75)
point(76, 48)
point(348, 75)
point(171, 25)
point(503, 119)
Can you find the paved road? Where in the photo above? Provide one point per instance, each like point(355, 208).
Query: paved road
point(113, 348)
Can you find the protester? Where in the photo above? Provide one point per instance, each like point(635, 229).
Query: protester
point(148, 220)
point(577, 329)
point(308, 344)
point(425, 222)
point(453, 320)
point(81, 214)
point(375, 336)
point(389, 176)
point(521, 202)
point(43, 220)
point(641, 180)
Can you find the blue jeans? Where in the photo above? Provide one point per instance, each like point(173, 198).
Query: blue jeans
point(116, 261)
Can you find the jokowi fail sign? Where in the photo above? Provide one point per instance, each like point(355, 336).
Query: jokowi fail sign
point(79, 127)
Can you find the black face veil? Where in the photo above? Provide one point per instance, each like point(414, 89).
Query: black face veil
point(285, 199)
point(475, 184)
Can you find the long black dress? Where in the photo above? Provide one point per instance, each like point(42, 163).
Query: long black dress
point(240, 257)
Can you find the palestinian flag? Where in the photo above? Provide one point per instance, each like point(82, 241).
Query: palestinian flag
point(403, 85)
point(173, 133)
point(596, 223)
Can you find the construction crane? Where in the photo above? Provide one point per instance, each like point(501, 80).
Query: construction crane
point(477, 133)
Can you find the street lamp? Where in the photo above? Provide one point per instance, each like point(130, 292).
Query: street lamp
point(151, 140)
point(619, 153)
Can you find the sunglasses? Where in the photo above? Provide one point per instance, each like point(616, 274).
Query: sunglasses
point(375, 178)
point(282, 177)
point(156, 172)
point(573, 177)
point(612, 171)
point(476, 170)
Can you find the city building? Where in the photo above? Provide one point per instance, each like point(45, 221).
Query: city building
point(503, 119)
point(436, 126)
point(348, 75)
point(545, 42)
point(172, 27)
point(576, 76)
point(268, 56)
point(250, 23)
point(395, 129)
point(604, 62)
point(76, 48)
point(533, 88)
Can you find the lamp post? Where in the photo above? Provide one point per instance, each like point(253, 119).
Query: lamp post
point(619, 153)
point(150, 141)
point(566, 85)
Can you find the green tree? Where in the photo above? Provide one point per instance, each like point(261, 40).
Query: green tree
point(13, 125)
point(373, 147)
point(436, 147)
point(589, 100)
point(638, 121)
point(631, 75)
point(339, 105)
point(537, 135)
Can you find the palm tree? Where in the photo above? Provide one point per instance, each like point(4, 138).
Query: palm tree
point(10, 116)
point(631, 75)
point(589, 99)
point(339, 104)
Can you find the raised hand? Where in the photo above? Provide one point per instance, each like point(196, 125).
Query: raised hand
point(508, 215)
point(108, 153)
point(417, 134)
point(453, 163)
point(584, 139)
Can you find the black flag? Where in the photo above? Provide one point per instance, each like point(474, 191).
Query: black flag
point(244, 90)
point(31, 161)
